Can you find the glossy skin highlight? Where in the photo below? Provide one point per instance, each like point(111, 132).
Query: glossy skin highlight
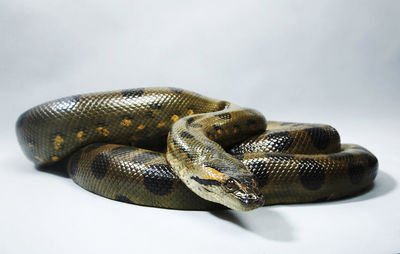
point(221, 152)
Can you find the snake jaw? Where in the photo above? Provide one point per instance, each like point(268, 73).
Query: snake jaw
point(249, 200)
point(247, 196)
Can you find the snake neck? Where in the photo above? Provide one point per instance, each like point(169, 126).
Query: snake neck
point(196, 153)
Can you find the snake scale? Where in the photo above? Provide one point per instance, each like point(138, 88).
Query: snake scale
point(171, 148)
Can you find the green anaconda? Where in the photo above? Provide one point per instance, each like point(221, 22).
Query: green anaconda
point(166, 147)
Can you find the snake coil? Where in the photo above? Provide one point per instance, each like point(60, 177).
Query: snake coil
point(166, 147)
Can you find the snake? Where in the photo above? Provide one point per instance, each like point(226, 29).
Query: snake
point(173, 148)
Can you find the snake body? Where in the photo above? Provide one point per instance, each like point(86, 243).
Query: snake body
point(166, 147)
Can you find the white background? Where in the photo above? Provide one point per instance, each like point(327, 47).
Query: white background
point(335, 62)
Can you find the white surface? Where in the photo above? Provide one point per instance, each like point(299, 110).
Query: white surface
point(335, 62)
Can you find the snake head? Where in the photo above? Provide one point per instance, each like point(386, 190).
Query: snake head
point(244, 197)
point(229, 183)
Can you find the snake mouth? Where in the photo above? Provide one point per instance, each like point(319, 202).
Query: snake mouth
point(249, 201)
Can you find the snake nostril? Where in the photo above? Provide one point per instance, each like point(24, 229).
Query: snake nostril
point(252, 196)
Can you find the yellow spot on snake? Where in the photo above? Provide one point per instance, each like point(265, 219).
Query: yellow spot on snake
point(235, 130)
point(126, 122)
point(190, 112)
point(213, 174)
point(103, 131)
point(219, 131)
point(79, 135)
point(159, 125)
point(174, 118)
point(54, 158)
point(141, 127)
point(57, 142)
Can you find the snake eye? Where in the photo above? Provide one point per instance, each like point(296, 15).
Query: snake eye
point(230, 184)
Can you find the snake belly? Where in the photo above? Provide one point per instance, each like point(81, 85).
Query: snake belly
point(99, 135)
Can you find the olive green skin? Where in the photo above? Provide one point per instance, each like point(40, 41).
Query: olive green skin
point(98, 135)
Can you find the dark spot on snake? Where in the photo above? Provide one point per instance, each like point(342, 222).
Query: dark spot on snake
point(187, 152)
point(206, 182)
point(156, 105)
point(319, 137)
point(250, 122)
point(259, 169)
point(158, 179)
point(311, 173)
point(145, 157)
point(132, 93)
point(185, 134)
point(191, 123)
point(341, 156)
point(74, 163)
point(99, 166)
point(123, 198)
point(356, 172)
point(176, 90)
point(93, 147)
point(190, 120)
point(280, 142)
point(122, 150)
point(225, 116)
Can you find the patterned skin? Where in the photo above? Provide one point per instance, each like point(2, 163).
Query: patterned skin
point(98, 136)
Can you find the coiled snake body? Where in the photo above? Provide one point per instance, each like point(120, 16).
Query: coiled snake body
point(167, 147)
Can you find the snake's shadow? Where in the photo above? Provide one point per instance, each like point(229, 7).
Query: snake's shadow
point(269, 224)
point(266, 222)
point(59, 168)
point(262, 221)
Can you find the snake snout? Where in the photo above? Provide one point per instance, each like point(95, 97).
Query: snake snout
point(250, 200)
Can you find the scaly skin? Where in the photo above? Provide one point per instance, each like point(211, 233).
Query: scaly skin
point(288, 163)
